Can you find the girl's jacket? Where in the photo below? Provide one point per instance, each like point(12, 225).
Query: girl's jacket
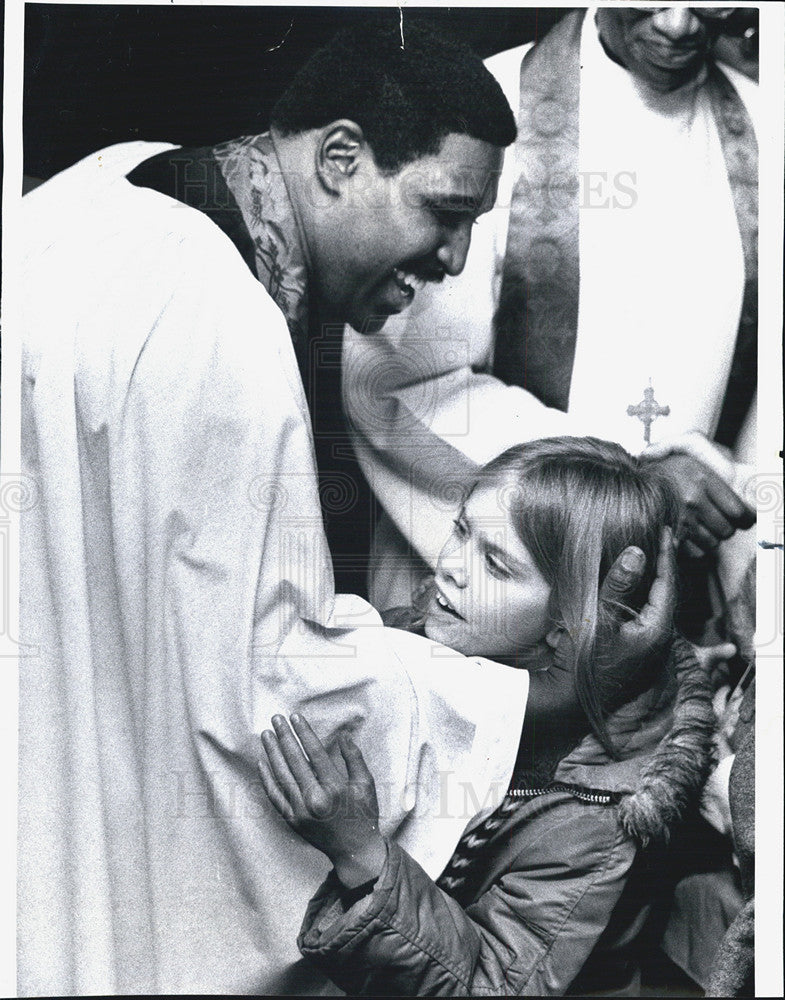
point(564, 884)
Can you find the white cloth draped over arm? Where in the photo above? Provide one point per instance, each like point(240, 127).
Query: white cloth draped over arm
point(177, 589)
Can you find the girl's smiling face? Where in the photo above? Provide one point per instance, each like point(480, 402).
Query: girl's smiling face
point(489, 598)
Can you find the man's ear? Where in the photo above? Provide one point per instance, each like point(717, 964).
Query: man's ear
point(338, 153)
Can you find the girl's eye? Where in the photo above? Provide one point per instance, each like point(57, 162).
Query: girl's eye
point(460, 528)
point(496, 566)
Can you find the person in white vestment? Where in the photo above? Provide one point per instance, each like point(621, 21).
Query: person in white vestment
point(176, 586)
point(628, 217)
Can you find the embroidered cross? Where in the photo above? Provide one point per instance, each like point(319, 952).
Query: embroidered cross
point(648, 410)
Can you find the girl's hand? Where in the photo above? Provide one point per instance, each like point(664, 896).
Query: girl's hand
point(330, 801)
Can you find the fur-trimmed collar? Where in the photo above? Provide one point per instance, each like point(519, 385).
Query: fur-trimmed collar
point(665, 739)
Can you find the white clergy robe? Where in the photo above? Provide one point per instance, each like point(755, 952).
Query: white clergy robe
point(661, 283)
point(176, 592)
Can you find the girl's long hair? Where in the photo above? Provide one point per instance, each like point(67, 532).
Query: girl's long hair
point(576, 504)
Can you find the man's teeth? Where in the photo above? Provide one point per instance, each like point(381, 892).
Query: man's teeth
point(407, 282)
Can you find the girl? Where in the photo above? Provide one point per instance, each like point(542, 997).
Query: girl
point(547, 893)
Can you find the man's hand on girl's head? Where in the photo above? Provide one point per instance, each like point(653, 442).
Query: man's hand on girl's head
point(702, 473)
point(650, 631)
point(639, 639)
point(632, 652)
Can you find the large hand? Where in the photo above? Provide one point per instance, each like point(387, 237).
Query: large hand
point(552, 691)
point(554, 719)
point(727, 705)
point(642, 640)
point(646, 634)
point(331, 805)
point(711, 510)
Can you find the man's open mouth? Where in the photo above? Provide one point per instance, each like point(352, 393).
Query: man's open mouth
point(408, 282)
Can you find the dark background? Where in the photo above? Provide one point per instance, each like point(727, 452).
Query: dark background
point(95, 75)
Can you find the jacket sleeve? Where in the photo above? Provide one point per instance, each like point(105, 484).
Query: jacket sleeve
point(528, 934)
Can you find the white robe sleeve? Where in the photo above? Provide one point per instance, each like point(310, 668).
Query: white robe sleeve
point(177, 591)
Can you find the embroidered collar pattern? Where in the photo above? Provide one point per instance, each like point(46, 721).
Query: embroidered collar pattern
point(253, 174)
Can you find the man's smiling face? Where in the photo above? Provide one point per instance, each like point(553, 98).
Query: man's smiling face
point(392, 232)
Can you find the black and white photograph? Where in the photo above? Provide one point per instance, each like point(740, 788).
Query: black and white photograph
point(389, 537)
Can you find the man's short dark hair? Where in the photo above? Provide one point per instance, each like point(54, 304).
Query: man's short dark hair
point(406, 99)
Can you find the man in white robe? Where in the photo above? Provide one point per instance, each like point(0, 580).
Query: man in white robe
point(176, 586)
point(656, 304)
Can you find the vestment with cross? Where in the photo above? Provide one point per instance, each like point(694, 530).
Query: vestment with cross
point(648, 410)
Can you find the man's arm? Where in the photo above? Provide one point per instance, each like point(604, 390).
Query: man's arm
point(181, 537)
point(423, 410)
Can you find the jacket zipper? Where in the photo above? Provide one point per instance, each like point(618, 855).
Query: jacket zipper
point(592, 795)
